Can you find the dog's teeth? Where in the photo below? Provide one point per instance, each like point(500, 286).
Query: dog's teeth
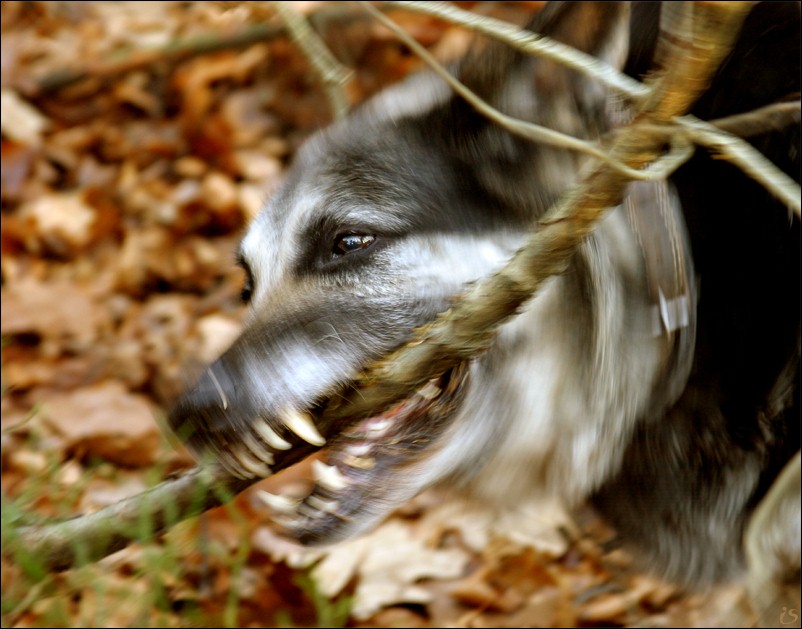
point(359, 449)
point(288, 522)
point(430, 391)
point(282, 504)
point(233, 466)
point(250, 464)
point(271, 436)
point(258, 450)
point(328, 476)
point(320, 504)
point(361, 462)
point(377, 427)
point(305, 509)
point(302, 425)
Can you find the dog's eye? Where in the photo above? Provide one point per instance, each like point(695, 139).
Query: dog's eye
point(247, 284)
point(246, 292)
point(348, 243)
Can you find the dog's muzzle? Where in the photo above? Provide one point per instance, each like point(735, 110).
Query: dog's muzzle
point(220, 422)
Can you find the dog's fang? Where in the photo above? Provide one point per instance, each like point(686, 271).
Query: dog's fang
point(258, 450)
point(282, 504)
point(271, 436)
point(328, 476)
point(302, 425)
point(250, 464)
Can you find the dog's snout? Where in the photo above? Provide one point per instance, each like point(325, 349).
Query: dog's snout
point(205, 408)
point(222, 419)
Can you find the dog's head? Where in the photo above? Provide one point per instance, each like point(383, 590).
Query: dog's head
point(381, 220)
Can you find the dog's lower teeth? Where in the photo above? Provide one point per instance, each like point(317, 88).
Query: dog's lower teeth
point(326, 506)
point(360, 462)
point(288, 522)
point(328, 476)
point(359, 449)
point(377, 427)
point(430, 391)
point(302, 425)
point(282, 504)
point(307, 510)
point(271, 436)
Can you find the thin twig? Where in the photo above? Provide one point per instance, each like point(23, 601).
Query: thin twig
point(681, 150)
point(329, 71)
point(84, 539)
point(530, 43)
point(174, 52)
point(747, 158)
point(774, 117)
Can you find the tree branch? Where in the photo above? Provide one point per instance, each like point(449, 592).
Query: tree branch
point(329, 71)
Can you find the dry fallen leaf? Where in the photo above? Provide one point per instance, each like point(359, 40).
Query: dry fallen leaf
point(389, 563)
point(107, 421)
point(21, 121)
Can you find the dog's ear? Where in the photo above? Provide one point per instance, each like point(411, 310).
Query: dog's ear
point(523, 175)
point(534, 88)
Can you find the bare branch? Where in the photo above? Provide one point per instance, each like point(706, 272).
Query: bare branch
point(84, 539)
point(328, 70)
point(178, 50)
point(747, 158)
point(534, 132)
point(174, 52)
point(774, 117)
point(530, 43)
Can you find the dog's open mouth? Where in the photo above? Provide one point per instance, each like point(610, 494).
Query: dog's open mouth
point(361, 463)
point(358, 465)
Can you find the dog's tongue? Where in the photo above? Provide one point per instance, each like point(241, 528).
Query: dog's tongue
point(364, 463)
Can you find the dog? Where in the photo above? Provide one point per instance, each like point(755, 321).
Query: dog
point(656, 378)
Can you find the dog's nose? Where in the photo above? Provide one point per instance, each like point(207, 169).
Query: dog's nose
point(204, 410)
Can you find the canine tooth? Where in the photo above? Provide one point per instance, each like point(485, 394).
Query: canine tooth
point(257, 468)
point(328, 476)
point(258, 450)
point(301, 424)
point(430, 391)
point(282, 504)
point(327, 506)
point(271, 436)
